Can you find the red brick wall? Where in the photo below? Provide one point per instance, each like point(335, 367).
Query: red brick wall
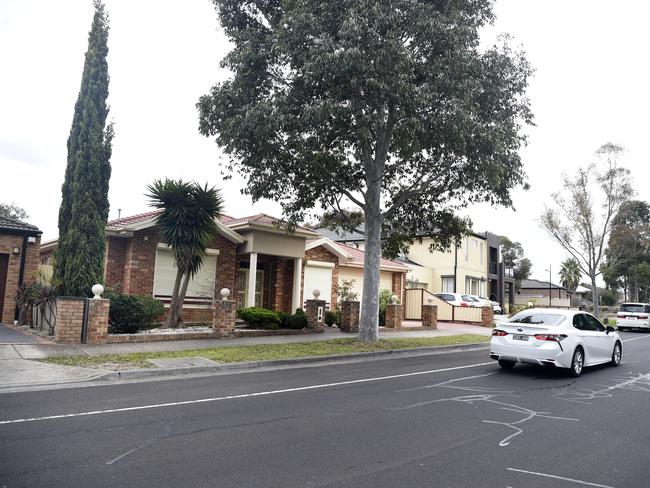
point(282, 284)
point(32, 258)
point(139, 262)
point(322, 254)
point(114, 262)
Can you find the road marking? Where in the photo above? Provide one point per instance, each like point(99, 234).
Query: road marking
point(585, 483)
point(636, 338)
point(243, 395)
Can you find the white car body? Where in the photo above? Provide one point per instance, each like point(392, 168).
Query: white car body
point(633, 316)
point(551, 337)
point(485, 302)
point(457, 300)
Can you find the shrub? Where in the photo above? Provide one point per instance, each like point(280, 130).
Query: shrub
point(130, 313)
point(330, 318)
point(259, 318)
point(284, 320)
point(608, 298)
point(344, 292)
point(298, 320)
point(384, 300)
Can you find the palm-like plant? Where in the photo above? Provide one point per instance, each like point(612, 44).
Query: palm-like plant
point(570, 274)
point(186, 224)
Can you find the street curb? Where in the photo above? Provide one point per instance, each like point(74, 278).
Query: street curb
point(153, 373)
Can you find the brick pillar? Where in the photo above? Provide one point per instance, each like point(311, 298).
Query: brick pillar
point(69, 320)
point(315, 312)
point(98, 321)
point(223, 317)
point(430, 316)
point(487, 316)
point(394, 315)
point(349, 316)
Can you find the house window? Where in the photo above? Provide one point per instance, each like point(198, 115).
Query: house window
point(473, 286)
point(447, 284)
point(201, 286)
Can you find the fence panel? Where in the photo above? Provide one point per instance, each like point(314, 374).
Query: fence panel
point(468, 314)
point(413, 303)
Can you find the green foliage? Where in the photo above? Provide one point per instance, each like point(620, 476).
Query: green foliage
point(608, 297)
point(130, 313)
point(298, 320)
point(344, 292)
point(570, 274)
point(84, 206)
point(384, 300)
point(513, 258)
point(259, 318)
point(12, 211)
point(330, 318)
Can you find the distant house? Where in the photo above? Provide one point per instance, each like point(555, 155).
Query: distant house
point(19, 250)
point(538, 288)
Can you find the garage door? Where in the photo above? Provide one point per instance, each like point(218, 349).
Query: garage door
point(318, 277)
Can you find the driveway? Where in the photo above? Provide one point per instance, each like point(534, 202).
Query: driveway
point(9, 335)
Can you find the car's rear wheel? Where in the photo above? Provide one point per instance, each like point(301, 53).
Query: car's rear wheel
point(577, 363)
point(506, 364)
point(617, 354)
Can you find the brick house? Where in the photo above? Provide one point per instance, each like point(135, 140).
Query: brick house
point(19, 252)
point(137, 263)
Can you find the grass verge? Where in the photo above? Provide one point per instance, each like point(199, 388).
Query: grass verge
point(262, 352)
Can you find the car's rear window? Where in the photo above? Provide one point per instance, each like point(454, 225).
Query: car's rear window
point(538, 318)
point(446, 297)
point(634, 308)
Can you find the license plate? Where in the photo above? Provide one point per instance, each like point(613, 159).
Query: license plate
point(517, 337)
point(631, 317)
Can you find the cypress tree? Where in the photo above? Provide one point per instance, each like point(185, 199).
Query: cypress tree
point(84, 208)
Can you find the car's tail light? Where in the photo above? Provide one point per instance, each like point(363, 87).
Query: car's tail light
point(464, 304)
point(550, 337)
point(499, 333)
point(620, 315)
point(643, 316)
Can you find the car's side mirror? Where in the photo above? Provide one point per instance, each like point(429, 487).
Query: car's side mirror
point(609, 329)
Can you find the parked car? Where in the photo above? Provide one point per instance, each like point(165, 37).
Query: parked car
point(633, 316)
point(556, 338)
point(485, 302)
point(458, 299)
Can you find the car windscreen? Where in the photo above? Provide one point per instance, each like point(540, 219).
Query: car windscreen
point(537, 318)
point(633, 308)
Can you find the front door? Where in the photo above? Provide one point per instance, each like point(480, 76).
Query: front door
point(242, 287)
point(4, 265)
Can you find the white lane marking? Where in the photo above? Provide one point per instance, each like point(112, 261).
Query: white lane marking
point(243, 395)
point(585, 483)
point(637, 338)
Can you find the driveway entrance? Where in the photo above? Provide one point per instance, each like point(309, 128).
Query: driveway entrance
point(12, 336)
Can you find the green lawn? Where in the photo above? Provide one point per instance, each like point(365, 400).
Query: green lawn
point(260, 352)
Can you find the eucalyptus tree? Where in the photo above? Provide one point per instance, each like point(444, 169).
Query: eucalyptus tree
point(582, 215)
point(391, 108)
point(187, 224)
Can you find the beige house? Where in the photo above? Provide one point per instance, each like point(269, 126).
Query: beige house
point(461, 270)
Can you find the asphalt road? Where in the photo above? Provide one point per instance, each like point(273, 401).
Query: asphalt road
point(446, 420)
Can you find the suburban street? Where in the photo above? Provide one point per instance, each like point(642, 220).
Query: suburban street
point(452, 419)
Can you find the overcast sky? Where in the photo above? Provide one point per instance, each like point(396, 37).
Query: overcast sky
point(589, 88)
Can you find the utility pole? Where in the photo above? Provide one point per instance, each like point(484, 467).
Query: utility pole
point(550, 287)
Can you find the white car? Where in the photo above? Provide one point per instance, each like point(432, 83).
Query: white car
point(458, 299)
point(486, 302)
point(633, 316)
point(557, 338)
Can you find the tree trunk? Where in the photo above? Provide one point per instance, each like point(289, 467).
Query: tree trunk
point(180, 300)
point(171, 319)
point(636, 290)
point(369, 317)
point(594, 297)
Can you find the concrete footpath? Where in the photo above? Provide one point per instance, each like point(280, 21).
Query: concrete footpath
point(19, 366)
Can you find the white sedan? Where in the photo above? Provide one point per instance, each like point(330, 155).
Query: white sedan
point(557, 338)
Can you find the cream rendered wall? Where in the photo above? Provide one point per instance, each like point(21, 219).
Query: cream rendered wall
point(385, 279)
point(472, 261)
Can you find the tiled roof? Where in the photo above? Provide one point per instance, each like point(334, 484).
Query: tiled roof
point(260, 219)
point(359, 257)
point(15, 225)
point(537, 284)
point(133, 219)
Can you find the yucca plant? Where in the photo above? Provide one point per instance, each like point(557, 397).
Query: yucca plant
point(187, 223)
